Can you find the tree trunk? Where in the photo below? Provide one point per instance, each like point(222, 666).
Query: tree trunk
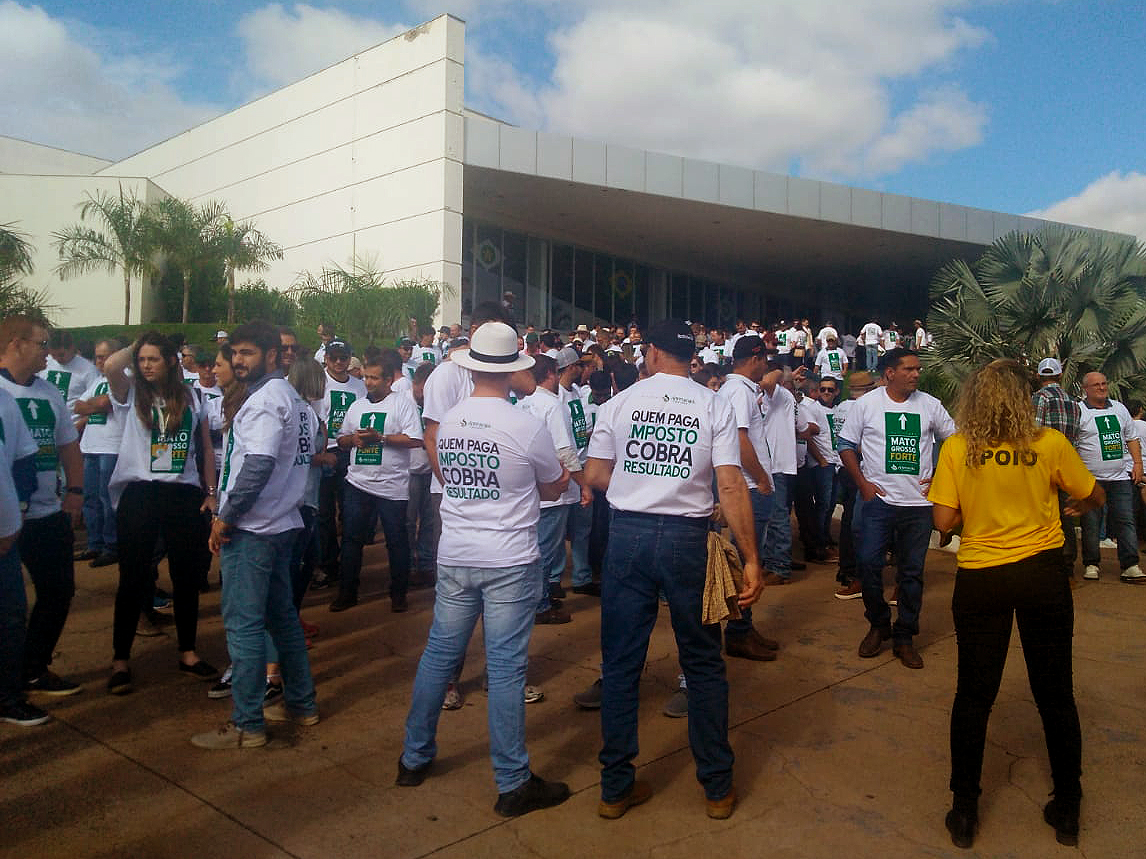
point(186, 294)
point(230, 295)
point(126, 297)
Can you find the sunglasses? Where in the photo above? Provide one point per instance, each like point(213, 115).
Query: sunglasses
point(290, 348)
point(828, 390)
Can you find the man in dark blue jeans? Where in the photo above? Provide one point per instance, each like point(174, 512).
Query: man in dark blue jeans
point(661, 497)
point(894, 429)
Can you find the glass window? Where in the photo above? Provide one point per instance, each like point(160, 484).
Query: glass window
point(678, 296)
point(488, 258)
point(514, 247)
point(561, 297)
point(603, 289)
point(467, 293)
point(642, 295)
point(696, 308)
point(537, 295)
point(583, 292)
point(624, 285)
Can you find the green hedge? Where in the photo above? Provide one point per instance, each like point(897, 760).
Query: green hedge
point(199, 333)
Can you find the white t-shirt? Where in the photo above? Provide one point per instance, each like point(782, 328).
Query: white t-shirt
point(744, 396)
point(797, 338)
point(890, 340)
point(550, 409)
point(273, 421)
point(104, 430)
point(213, 414)
point(155, 454)
point(826, 332)
point(784, 341)
point(426, 355)
point(830, 363)
point(781, 423)
point(335, 401)
point(896, 442)
point(922, 339)
point(813, 411)
point(665, 435)
point(16, 442)
point(492, 455)
point(211, 393)
point(714, 354)
point(419, 461)
point(871, 334)
point(447, 386)
point(381, 470)
point(49, 421)
point(71, 379)
point(1102, 438)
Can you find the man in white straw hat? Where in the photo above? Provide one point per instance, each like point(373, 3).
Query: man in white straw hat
point(495, 463)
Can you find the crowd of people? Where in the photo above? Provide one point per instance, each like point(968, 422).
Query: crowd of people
point(481, 454)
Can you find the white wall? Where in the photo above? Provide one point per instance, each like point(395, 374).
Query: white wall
point(41, 205)
point(21, 156)
point(360, 160)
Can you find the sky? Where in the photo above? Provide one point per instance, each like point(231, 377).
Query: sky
point(1032, 106)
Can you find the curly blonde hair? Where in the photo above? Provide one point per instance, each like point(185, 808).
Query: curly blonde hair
point(995, 408)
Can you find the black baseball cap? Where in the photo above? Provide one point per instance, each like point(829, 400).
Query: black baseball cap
point(404, 343)
point(674, 337)
point(338, 345)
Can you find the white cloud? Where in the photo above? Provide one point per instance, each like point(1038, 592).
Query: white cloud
point(1116, 201)
point(54, 89)
point(281, 45)
point(842, 90)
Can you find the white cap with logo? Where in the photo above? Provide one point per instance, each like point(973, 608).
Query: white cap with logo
point(1050, 367)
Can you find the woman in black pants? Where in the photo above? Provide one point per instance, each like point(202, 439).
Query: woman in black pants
point(999, 477)
point(158, 490)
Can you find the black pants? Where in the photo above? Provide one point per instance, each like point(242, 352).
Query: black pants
point(1036, 592)
point(331, 514)
point(148, 510)
point(46, 546)
point(848, 571)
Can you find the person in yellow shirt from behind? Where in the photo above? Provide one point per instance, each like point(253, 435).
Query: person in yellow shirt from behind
point(998, 478)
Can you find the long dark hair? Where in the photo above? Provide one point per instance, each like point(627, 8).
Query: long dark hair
point(175, 394)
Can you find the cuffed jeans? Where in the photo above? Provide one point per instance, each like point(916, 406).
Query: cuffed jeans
point(551, 543)
point(874, 524)
point(1036, 592)
point(580, 526)
point(99, 515)
point(420, 513)
point(257, 600)
point(505, 599)
point(360, 509)
point(46, 550)
point(777, 542)
point(13, 615)
point(1119, 525)
point(648, 554)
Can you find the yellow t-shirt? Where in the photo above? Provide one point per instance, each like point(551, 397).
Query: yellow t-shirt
point(1009, 503)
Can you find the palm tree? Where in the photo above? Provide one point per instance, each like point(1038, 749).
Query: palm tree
point(121, 241)
point(182, 231)
point(242, 248)
point(1073, 294)
point(15, 253)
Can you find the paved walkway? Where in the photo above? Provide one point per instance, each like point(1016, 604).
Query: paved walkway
point(836, 755)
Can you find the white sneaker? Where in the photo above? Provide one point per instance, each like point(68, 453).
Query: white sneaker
point(533, 694)
point(1107, 544)
point(1133, 575)
point(1091, 572)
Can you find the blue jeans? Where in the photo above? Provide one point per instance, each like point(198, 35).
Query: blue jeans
point(505, 599)
point(777, 542)
point(257, 599)
point(1119, 524)
point(848, 495)
point(359, 512)
point(871, 354)
point(420, 515)
point(551, 544)
point(13, 615)
point(874, 523)
point(580, 525)
point(99, 515)
point(648, 554)
point(761, 514)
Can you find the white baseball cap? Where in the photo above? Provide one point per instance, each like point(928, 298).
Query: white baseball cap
point(493, 349)
point(1050, 367)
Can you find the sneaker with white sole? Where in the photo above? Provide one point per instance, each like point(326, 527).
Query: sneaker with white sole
point(1133, 575)
point(1090, 573)
point(222, 689)
point(1107, 544)
point(533, 694)
point(590, 699)
point(278, 712)
point(453, 699)
point(24, 714)
point(230, 737)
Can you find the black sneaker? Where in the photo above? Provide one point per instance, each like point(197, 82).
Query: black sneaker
point(85, 554)
point(412, 777)
point(24, 714)
point(105, 559)
point(222, 689)
point(201, 670)
point(535, 794)
point(342, 603)
point(273, 693)
point(51, 684)
point(593, 589)
point(321, 581)
point(120, 683)
point(1063, 816)
point(556, 590)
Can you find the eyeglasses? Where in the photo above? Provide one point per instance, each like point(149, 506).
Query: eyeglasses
point(827, 390)
point(291, 348)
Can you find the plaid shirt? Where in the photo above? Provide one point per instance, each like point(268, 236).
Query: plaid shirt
point(1054, 409)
